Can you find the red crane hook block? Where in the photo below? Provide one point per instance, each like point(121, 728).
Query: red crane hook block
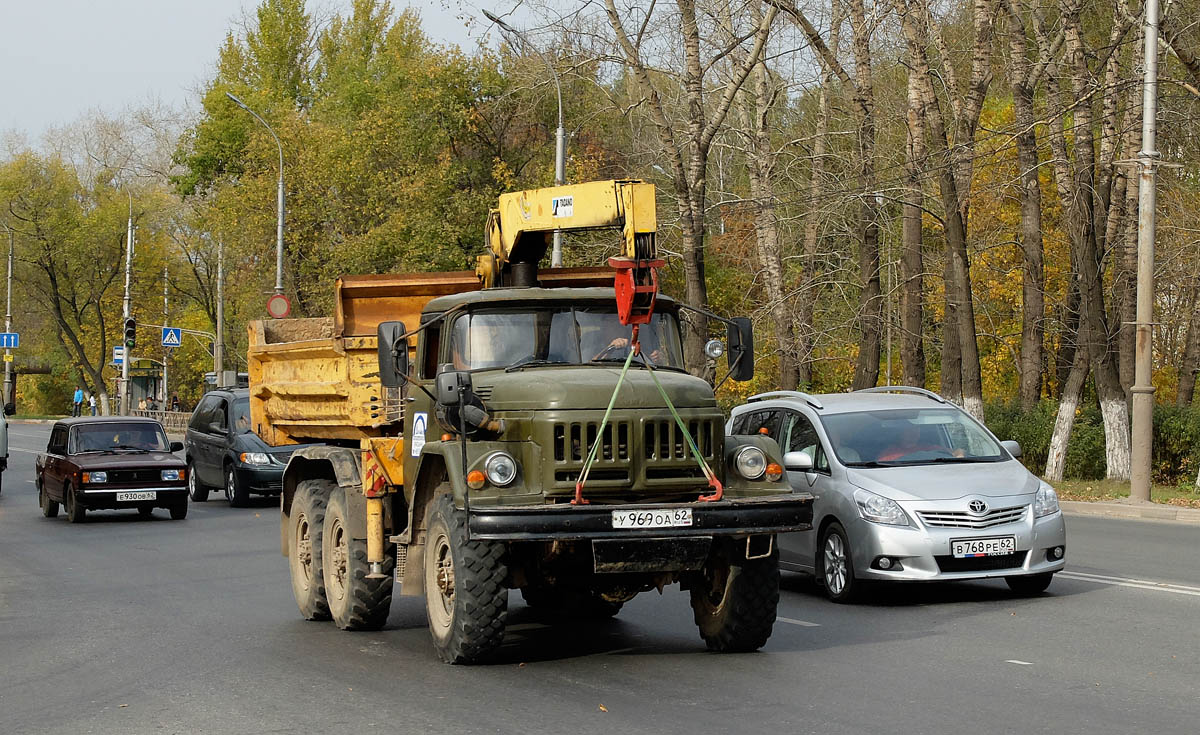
point(636, 283)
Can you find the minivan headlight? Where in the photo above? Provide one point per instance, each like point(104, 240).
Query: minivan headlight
point(254, 458)
point(878, 509)
point(501, 469)
point(750, 462)
point(1045, 503)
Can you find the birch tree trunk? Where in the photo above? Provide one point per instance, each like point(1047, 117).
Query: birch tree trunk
point(1064, 420)
point(912, 349)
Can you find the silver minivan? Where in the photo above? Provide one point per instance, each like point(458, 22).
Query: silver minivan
point(908, 487)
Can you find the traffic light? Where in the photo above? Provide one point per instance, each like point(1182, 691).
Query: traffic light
point(130, 332)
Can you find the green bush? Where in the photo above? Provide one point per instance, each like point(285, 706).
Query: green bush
point(1176, 440)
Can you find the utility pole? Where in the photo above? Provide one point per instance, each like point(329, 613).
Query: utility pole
point(166, 350)
point(560, 135)
point(9, 394)
point(128, 310)
point(219, 342)
point(1143, 384)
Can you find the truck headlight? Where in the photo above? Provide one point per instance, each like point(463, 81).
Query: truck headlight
point(94, 477)
point(878, 509)
point(254, 458)
point(501, 469)
point(172, 475)
point(1045, 503)
point(750, 462)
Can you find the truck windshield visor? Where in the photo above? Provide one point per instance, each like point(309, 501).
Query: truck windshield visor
point(493, 339)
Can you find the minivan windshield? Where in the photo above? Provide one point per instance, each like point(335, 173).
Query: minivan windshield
point(112, 436)
point(515, 337)
point(895, 437)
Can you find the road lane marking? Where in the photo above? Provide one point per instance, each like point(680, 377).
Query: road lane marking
point(27, 451)
point(1019, 662)
point(802, 623)
point(1141, 584)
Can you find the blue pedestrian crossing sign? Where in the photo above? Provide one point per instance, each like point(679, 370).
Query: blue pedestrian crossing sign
point(171, 336)
point(118, 354)
point(10, 340)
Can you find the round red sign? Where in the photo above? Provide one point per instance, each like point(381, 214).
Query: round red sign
point(278, 306)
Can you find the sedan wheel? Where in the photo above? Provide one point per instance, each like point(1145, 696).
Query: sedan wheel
point(49, 507)
point(836, 566)
point(75, 512)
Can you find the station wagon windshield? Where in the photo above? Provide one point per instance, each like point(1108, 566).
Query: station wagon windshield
point(118, 437)
point(491, 339)
point(895, 437)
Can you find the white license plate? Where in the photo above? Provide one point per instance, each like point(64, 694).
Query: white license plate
point(143, 495)
point(970, 548)
point(652, 518)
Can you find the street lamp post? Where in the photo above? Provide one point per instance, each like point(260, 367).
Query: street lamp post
point(127, 310)
point(280, 202)
point(560, 135)
point(9, 393)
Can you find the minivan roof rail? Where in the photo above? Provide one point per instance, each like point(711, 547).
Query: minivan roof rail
point(903, 389)
point(810, 400)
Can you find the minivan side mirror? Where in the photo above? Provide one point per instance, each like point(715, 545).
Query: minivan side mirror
point(740, 339)
point(1012, 448)
point(393, 354)
point(797, 462)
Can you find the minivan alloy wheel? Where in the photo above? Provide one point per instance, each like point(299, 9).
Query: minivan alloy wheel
point(835, 564)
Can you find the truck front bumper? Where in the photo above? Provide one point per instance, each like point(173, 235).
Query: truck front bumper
point(562, 522)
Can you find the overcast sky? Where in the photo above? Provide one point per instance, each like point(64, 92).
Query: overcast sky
point(61, 58)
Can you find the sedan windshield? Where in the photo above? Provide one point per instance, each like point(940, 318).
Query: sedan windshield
point(909, 436)
point(118, 437)
point(511, 338)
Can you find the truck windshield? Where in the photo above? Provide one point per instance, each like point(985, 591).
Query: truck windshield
point(491, 339)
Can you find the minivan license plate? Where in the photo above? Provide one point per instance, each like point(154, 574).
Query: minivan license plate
point(652, 518)
point(143, 495)
point(970, 548)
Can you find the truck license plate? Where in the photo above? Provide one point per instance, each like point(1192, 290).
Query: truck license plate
point(652, 518)
point(970, 548)
point(143, 495)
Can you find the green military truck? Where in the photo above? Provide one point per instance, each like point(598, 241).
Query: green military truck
point(465, 442)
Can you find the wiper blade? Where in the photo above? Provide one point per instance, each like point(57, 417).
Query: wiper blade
point(534, 363)
point(871, 464)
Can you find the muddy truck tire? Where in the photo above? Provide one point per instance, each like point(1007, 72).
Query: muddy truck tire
point(466, 599)
point(734, 599)
point(305, 524)
point(355, 602)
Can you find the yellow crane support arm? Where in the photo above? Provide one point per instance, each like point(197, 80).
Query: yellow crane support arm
point(519, 230)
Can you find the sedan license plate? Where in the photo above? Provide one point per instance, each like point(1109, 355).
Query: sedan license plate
point(143, 495)
point(652, 518)
point(971, 548)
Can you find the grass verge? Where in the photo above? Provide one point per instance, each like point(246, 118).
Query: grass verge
point(1110, 490)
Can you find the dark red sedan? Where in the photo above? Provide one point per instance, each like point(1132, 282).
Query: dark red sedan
point(111, 463)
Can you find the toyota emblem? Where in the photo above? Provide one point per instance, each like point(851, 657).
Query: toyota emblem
point(978, 507)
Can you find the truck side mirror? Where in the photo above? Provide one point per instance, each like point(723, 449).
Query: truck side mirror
point(393, 354)
point(452, 385)
point(740, 338)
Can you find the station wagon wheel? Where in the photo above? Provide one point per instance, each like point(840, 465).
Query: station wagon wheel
point(835, 566)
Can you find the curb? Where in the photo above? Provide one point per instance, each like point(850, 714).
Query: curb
point(1144, 512)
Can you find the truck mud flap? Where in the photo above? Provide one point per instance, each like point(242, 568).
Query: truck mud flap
point(651, 554)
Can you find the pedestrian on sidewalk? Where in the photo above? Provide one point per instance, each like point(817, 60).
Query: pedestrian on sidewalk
point(92, 402)
point(77, 401)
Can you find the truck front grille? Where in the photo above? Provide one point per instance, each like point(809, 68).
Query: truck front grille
point(652, 451)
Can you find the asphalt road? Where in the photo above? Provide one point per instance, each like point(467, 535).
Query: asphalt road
point(123, 625)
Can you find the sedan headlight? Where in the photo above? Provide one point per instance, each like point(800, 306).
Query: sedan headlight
point(878, 509)
point(1045, 502)
point(501, 469)
point(172, 475)
point(92, 477)
point(254, 458)
point(750, 462)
